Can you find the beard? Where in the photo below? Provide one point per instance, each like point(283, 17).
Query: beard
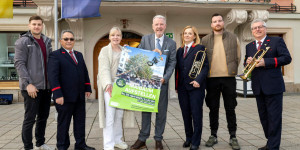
point(218, 28)
point(36, 33)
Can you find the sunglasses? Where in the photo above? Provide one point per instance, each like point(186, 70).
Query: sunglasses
point(67, 39)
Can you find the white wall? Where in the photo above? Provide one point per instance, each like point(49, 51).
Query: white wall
point(289, 24)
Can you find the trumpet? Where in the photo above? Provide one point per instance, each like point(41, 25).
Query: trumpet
point(197, 65)
point(249, 68)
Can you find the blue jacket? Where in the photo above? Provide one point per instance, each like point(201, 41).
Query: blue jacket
point(67, 79)
point(269, 79)
point(184, 66)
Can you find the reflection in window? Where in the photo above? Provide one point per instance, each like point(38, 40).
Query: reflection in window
point(7, 53)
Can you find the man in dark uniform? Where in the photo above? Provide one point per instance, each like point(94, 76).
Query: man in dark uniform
point(70, 84)
point(267, 81)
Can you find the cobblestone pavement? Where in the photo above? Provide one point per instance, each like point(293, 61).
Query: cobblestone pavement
point(249, 133)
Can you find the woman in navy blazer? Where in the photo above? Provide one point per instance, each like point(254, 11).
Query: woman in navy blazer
point(191, 90)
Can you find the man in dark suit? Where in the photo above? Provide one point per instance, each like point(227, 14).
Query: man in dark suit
point(267, 81)
point(158, 42)
point(70, 84)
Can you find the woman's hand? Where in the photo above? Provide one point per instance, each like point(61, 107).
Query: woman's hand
point(195, 84)
point(108, 89)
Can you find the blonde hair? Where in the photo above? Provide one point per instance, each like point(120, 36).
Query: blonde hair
point(114, 29)
point(196, 40)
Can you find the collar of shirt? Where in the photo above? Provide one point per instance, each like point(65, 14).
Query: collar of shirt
point(69, 50)
point(189, 46)
point(72, 53)
point(262, 41)
point(161, 40)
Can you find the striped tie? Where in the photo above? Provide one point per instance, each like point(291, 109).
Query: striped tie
point(259, 45)
point(185, 51)
point(72, 56)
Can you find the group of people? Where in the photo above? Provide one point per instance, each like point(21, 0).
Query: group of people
point(42, 73)
point(63, 72)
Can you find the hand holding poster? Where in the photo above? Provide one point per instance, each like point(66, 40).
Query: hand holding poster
point(137, 84)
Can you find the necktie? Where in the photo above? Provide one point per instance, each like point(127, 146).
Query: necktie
point(259, 45)
point(158, 44)
point(72, 56)
point(185, 51)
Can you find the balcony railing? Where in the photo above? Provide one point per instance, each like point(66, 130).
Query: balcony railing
point(24, 3)
point(258, 1)
point(283, 9)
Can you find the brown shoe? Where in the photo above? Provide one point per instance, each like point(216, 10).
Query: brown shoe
point(138, 145)
point(158, 145)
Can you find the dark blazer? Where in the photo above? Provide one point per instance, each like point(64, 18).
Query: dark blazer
point(184, 66)
point(67, 79)
point(269, 79)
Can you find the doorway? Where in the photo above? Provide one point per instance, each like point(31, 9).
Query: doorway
point(129, 38)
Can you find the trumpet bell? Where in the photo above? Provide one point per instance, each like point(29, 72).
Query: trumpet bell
point(243, 76)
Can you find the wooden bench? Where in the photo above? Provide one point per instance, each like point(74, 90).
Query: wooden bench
point(6, 85)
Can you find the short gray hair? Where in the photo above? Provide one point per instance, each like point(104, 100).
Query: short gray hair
point(160, 17)
point(65, 31)
point(258, 20)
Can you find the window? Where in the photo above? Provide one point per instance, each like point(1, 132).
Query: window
point(7, 53)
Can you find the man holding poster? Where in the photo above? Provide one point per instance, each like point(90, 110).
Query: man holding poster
point(160, 43)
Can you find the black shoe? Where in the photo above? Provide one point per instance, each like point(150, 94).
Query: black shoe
point(264, 148)
point(186, 144)
point(193, 147)
point(138, 145)
point(86, 148)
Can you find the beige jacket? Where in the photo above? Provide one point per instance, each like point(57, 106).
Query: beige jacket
point(105, 77)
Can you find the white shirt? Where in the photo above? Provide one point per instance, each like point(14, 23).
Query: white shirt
point(262, 41)
point(189, 46)
point(161, 40)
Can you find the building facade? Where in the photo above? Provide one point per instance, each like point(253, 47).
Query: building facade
point(134, 17)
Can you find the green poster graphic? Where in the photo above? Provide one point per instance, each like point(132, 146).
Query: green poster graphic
point(137, 84)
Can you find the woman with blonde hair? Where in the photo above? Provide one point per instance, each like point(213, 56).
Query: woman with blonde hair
point(191, 87)
point(110, 118)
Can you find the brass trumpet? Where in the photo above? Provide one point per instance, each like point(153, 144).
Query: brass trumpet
point(197, 65)
point(249, 68)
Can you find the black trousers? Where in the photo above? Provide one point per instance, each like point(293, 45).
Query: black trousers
point(65, 114)
point(36, 111)
point(226, 86)
point(191, 102)
point(270, 114)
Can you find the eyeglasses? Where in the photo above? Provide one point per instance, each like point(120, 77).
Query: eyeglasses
point(258, 27)
point(67, 39)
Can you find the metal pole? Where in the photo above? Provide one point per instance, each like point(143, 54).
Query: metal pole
point(55, 38)
point(55, 25)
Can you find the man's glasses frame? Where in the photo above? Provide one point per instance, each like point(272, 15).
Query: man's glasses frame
point(258, 27)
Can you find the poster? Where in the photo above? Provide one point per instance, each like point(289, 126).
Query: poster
point(137, 84)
